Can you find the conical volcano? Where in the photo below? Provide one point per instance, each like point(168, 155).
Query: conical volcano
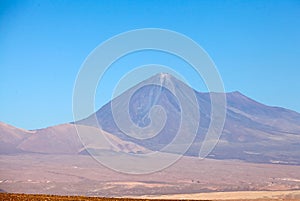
point(158, 110)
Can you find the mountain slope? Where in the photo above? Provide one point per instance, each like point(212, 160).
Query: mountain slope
point(252, 132)
point(62, 139)
point(10, 137)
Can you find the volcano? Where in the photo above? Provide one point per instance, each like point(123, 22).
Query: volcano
point(163, 110)
point(252, 132)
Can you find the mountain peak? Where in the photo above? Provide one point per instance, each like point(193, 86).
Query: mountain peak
point(166, 80)
point(164, 75)
point(163, 79)
point(236, 93)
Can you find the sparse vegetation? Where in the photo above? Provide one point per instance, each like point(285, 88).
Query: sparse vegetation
point(35, 197)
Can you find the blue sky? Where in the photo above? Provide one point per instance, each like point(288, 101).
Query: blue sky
point(254, 44)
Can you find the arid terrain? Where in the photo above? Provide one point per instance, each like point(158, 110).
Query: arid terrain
point(82, 175)
point(234, 196)
point(237, 195)
point(149, 100)
point(256, 157)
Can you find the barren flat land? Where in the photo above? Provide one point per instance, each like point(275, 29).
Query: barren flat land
point(232, 196)
point(189, 178)
point(238, 195)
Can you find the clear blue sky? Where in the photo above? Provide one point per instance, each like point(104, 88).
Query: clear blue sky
point(254, 44)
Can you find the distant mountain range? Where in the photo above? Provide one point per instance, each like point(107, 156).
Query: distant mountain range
point(253, 132)
point(60, 139)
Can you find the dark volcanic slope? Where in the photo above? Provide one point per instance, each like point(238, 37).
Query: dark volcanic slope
point(253, 131)
point(259, 133)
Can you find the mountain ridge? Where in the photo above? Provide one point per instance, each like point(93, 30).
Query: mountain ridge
point(61, 139)
point(249, 124)
point(253, 132)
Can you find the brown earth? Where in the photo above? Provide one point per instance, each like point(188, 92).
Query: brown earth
point(82, 175)
point(32, 197)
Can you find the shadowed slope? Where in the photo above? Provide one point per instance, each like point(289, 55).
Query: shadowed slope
point(253, 131)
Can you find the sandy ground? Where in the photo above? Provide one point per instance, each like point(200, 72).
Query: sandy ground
point(241, 195)
point(188, 178)
point(44, 197)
